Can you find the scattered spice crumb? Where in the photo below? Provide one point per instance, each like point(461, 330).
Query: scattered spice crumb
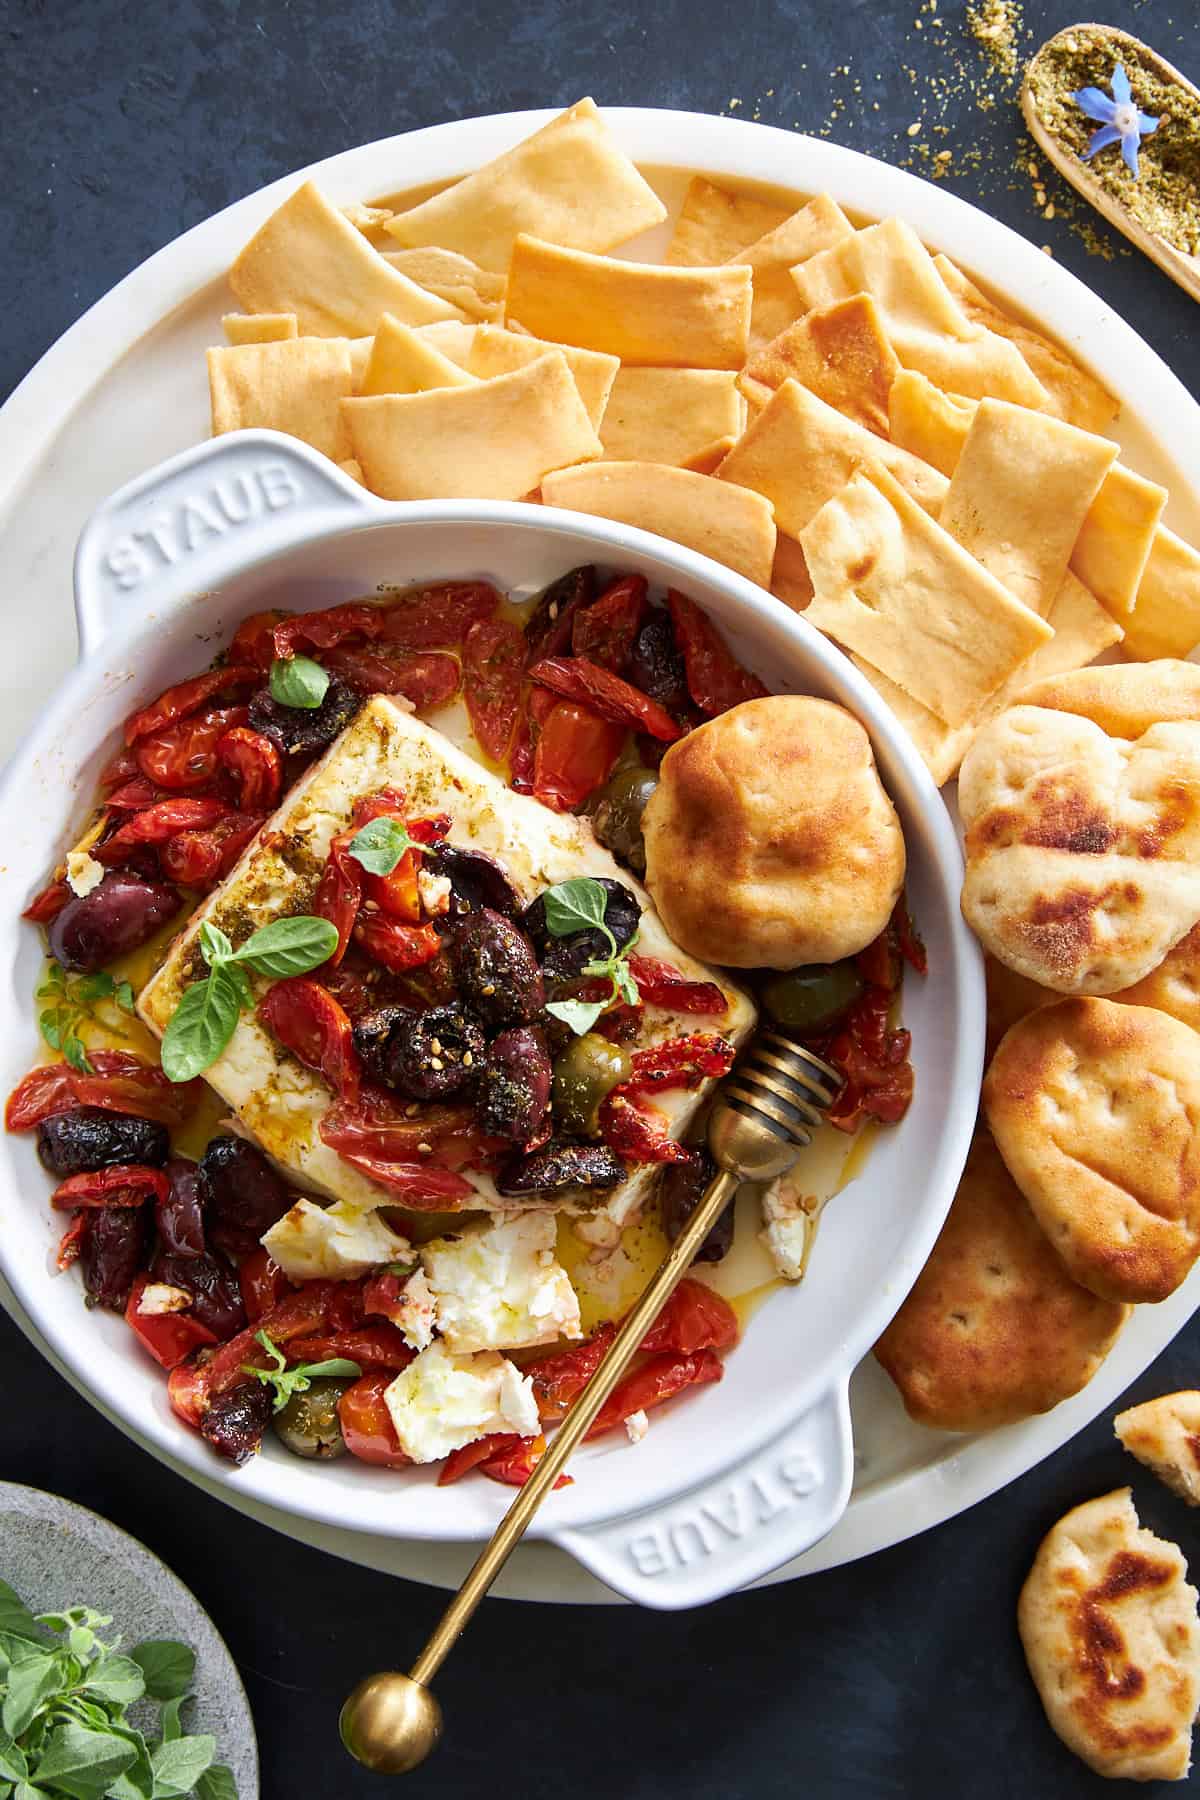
point(996, 24)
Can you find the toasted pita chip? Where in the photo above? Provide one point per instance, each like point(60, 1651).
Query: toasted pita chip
point(1020, 493)
point(799, 453)
point(1074, 395)
point(893, 586)
point(404, 362)
point(453, 337)
point(360, 355)
point(295, 385)
point(353, 469)
point(641, 312)
point(729, 524)
point(479, 293)
point(714, 223)
point(309, 259)
point(492, 440)
point(1166, 619)
point(366, 218)
point(1116, 539)
point(259, 328)
point(928, 328)
point(818, 226)
point(495, 351)
point(927, 421)
point(790, 579)
point(568, 183)
point(670, 415)
point(708, 460)
point(841, 353)
point(1082, 630)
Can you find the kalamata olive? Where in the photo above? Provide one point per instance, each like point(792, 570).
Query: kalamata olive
point(476, 880)
point(617, 814)
point(235, 1421)
point(91, 1137)
point(561, 1164)
point(430, 1055)
point(496, 969)
point(110, 1252)
point(120, 914)
point(681, 1188)
point(243, 1195)
point(308, 1425)
point(562, 958)
point(656, 666)
point(180, 1217)
point(548, 627)
point(303, 730)
point(588, 1069)
point(812, 998)
point(514, 1090)
point(212, 1283)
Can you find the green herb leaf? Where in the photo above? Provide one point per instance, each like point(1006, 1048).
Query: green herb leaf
point(25, 1790)
point(99, 986)
point(289, 947)
point(32, 1679)
point(215, 947)
point(168, 1666)
point(13, 1766)
point(16, 1620)
point(285, 1382)
point(298, 681)
point(580, 1015)
point(123, 995)
point(83, 1763)
point(75, 1051)
point(201, 1025)
point(380, 845)
point(115, 1678)
point(50, 1024)
point(137, 1781)
point(179, 1765)
point(217, 1783)
point(169, 1719)
point(575, 905)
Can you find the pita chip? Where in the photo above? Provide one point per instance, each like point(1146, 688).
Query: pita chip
point(455, 338)
point(568, 184)
point(927, 421)
point(259, 328)
point(842, 353)
point(670, 415)
point(404, 362)
point(495, 351)
point(892, 585)
point(790, 579)
point(490, 440)
point(364, 217)
point(1115, 542)
point(799, 453)
point(479, 293)
point(708, 460)
point(353, 469)
point(818, 226)
point(1166, 619)
point(309, 259)
point(714, 223)
point(295, 385)
point(729, 524)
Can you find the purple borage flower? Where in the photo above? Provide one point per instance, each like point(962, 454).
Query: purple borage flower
point(1118, 118)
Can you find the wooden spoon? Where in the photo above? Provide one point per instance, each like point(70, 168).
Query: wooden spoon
point(1178, 264)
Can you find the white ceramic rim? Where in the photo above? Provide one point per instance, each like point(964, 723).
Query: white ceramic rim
point(894, 1508)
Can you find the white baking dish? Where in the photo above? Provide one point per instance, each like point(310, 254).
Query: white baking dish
point(730, 1482)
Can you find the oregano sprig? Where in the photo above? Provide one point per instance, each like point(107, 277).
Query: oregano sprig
point(285, 1382)
point(579, 905)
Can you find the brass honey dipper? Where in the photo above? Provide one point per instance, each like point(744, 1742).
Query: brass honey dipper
point(764, 1114)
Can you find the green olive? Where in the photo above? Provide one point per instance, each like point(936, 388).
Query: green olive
point(617, 813)
point(308, 1425)
point(812, 998)
point(588, 1069)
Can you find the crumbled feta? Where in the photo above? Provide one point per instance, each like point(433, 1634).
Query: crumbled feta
point(339, 1241)
point(157, 1298)
point(637, 1425)
point(787, 1225)
point(500, 1287)
point(434, 891)
point(442, 1401)
point(416, 1314)
point(83, 873)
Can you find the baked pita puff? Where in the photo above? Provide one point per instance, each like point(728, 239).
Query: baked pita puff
point(1165, 1435)
point(1109, 1626)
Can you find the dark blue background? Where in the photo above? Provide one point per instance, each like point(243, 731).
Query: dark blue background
point(123, 124)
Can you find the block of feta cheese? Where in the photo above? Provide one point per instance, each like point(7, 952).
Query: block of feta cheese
point(339, 1242)
point(442, 1401)
point(499, 1286)
point(280, 1103)
point(417, 1312)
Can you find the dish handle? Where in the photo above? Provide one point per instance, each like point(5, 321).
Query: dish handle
point(184, 528)
point(722, 1536)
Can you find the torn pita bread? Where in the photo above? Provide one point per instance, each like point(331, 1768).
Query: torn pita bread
point(1073, 394)
point(259, 328)
point(495, 351)
point(641, 312)
point(568, 183)
point(841, 353)
point(1020, 493)
point(670, 415)
point(491, 440)
point(366, 218)
point(1165, 1435)
point(714, 223)
point(729, 524)
point(928, 328)
point(818, 226)
point(1166, 619)
point(479, 293)
point(295, 385)
point(790, 579)
point(1116, 539)
point(309, 259)
point(927, 421)
point(892, 585)
point(404, 362)
point(799, 453)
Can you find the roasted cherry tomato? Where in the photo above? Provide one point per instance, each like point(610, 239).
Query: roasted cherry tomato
point(427, 678)
point(256, 766)
point(637, 1131)
point(200, 859)
point(367, 1425)
point(398, 947)
point(169, 1337)
point(493, 659)
point(383, 1297)
point(421, 1186)
point(371, 1346)
point(694, 1318)
point(301, 1313)
point(383, 1126)
point(661, 984)
point(308, 1021)
point(682, 1062)
point(558, 1378)
point(48, 904)
point(655, 1381)
point(155, 824)
point(121, 1184)
point(184, 755)
point(549, 626)
point(339, 893)
point(138, 792)
point(263, 1284)
point(604, 632)
point(327, 628)
point(188, 697)
point(575, 678)
point(575, 754)
point(120, 1081)
point(253, 645)
point(715, 680)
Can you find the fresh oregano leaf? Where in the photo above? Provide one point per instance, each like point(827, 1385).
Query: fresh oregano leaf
point(285, 1382)
point(380, 845)
point(179, 1765)
point(16, 1620)
point(168, 1667)
point(575, 905)
point(81, 1762)
point(32, 1679)
point(115, 1678)
point(580, 1015)
point(298, 681)
point(217, 1783)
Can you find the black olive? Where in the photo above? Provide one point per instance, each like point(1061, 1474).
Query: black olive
point(656, 666)
point(427, 1055)
point(120, 914)
point(214, 1287)
point(244, 1194)
point(562, 958)
point(514, 1090)
point(548, 627)
point(111, 1249)
point(180, 1217)
point(235, 1421)
point(681, 1188)
point(496, 970)
point(303, 730)
point(91, 1137)
point(561, 1164)
point(476, 880)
